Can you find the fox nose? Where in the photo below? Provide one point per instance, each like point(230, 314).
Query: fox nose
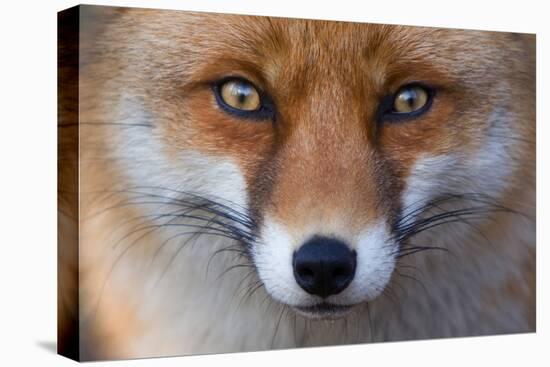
point(324, 266)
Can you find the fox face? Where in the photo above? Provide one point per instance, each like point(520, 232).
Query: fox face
point(324, 149)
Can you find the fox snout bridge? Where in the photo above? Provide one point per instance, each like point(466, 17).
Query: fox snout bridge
point(324, 266)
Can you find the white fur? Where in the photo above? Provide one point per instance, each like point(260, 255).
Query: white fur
point(428, 178)
point(375, 250)
point(273, 258)
point(484, 170)
point(148, 165)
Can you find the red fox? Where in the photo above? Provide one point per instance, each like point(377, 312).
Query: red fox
point(250, 183)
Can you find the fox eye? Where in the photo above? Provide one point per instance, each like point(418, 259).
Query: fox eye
point(410, 101)
point(240, 98)
point(240, 95)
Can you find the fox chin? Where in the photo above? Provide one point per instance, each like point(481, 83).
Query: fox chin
point(252, 183)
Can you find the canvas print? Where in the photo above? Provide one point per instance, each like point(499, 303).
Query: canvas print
point(233, 183)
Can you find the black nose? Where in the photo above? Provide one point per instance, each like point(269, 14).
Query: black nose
point(324, 266)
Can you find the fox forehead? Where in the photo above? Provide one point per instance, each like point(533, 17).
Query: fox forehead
point(295, 50)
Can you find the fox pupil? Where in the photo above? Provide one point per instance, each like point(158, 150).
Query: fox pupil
point(410, 98)
point(242, 94)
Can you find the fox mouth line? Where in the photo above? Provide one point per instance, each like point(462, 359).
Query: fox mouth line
point(324, 310)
